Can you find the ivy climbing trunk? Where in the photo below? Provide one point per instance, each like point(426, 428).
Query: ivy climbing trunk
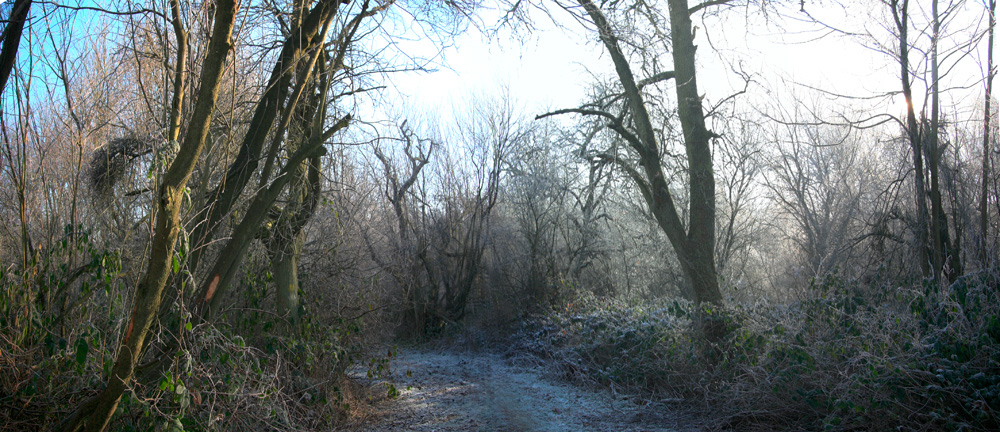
point(286, 238)
point(227, 264)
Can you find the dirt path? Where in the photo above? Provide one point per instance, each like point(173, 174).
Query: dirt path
point(448, 391)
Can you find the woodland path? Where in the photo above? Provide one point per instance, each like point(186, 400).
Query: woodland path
point(470, 391)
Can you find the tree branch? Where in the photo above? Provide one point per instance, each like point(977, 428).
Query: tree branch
point(662, 76)
point(709, 3)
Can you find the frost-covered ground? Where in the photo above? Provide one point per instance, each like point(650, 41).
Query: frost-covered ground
point(462, 391)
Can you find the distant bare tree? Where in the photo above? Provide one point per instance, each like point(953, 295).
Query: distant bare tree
point(458, 226)
point(816, 180)
point(740, 161)
point(408, 241)
point(924, 62)
point(538, 192)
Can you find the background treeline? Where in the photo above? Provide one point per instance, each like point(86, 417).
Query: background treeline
point(209, 211)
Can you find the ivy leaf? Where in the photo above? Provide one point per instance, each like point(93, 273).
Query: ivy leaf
point(82, 349)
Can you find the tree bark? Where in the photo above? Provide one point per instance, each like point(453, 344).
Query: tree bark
point(284, 267)
point(288, 238)
point(945, 261)
point(701, 232)
point(937, 248)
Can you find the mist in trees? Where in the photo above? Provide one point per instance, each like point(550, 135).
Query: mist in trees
point(213, 205)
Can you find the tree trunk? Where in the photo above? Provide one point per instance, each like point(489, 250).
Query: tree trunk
point(309, 36)
point(227, 263)
point(700, 266)
point(695, 245)
point(96, 414)
point(285, 269)
point(286, 238)
point(12, 38)
point(985, 258)
point(901, 16)
point(942, 252)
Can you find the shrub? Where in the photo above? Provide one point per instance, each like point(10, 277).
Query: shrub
point(194, 377)
point(852, 356)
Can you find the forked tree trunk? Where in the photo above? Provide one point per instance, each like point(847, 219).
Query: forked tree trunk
point(226, 265)
point(694, 244)
point(287, 238)
point(305, 41)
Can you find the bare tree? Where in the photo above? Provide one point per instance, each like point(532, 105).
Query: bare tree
point(15, 153)
point(925, 62)
point(582, 236)
point(817, 180)
point(408, 242)
point(901, 16)
point(740, 160)
point(459, 226)
point(279, 99)
point(628, 114)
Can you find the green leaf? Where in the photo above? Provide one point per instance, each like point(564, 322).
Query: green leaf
point(82, 348)
point(177, 264)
